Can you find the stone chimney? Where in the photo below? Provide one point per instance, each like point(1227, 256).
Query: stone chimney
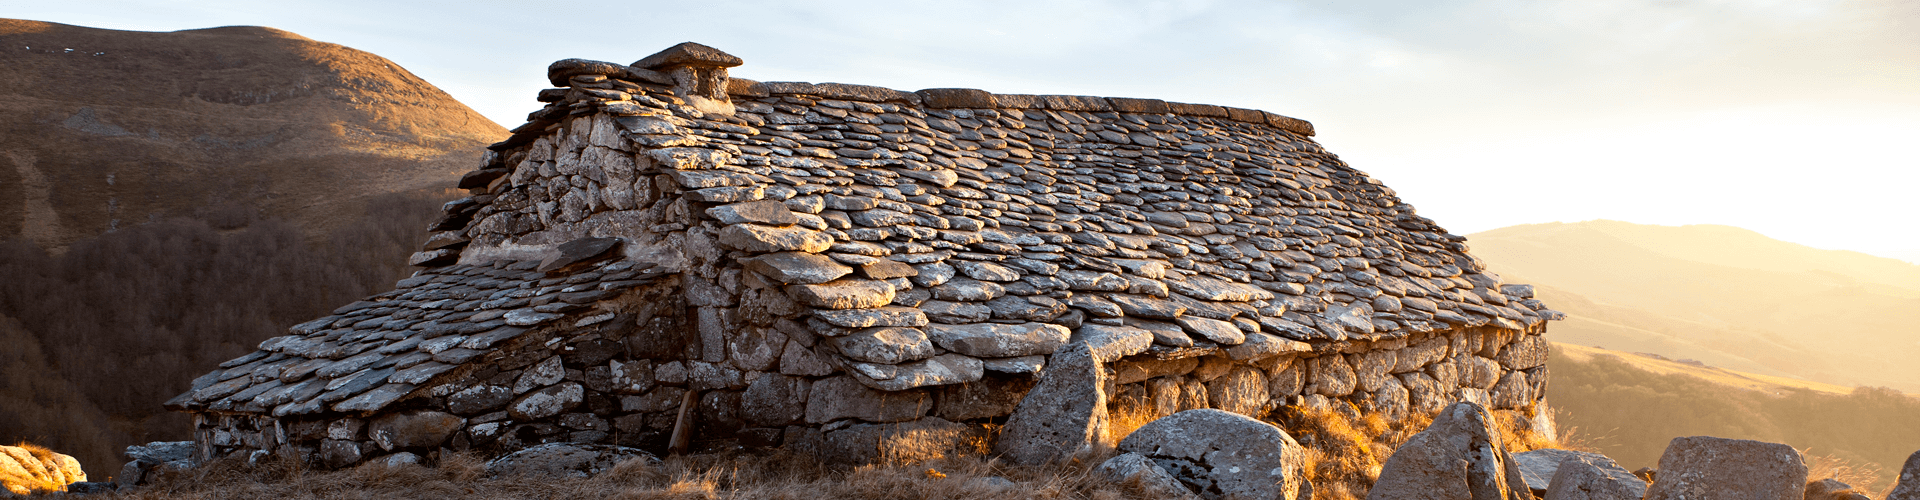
point(699, 74)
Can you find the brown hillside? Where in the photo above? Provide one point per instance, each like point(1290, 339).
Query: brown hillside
point(104, 128)
point(1722, 295)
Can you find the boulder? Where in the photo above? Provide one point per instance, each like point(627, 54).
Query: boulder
point(564, 460)
point(1137, 472)
point(1458, 456)
point(887, 345)
point(1537, 466)
point(1589, 476)
point(413, 429)
point(1710, 468)
point(1909, 486)
point(1832, 489)
point(1063, 416)
point(1217, 454)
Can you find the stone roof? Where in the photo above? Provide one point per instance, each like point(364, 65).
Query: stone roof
point(986, 223)
point(378, 350)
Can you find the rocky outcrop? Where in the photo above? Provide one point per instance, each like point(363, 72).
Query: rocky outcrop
point(144, 460)
point(1708, 468)
point(26, 469)
point(1212, 454)
point(1458, 456)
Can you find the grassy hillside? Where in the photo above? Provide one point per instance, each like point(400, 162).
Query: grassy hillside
point(104, 129)
point(94, 339)
point(1722, 295)
point(1629, 406)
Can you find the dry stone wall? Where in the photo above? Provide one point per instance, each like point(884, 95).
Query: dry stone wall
point(847, 259)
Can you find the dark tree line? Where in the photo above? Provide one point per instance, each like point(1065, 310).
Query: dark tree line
point(94, 339)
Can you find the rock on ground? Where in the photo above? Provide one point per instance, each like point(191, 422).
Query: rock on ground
point(1537, 467)
point(564, 460)
point(1832, 489)
point(1711, 468)
point(1140, 474)
point(1589, 476)
point(1909, 485)
point(1063, 415)
point(1459, 456)
point(1219, 454)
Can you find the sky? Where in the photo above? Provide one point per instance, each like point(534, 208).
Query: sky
point(1799, 119)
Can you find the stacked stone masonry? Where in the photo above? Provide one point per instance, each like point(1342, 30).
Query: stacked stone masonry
point(802, 264)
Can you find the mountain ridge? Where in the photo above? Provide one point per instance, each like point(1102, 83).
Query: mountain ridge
point(103, 128)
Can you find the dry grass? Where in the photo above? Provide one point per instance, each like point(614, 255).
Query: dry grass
point(742, 475)
point(1345, 455)
point(1861, 477)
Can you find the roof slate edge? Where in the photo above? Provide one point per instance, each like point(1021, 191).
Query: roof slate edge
point(975, 98)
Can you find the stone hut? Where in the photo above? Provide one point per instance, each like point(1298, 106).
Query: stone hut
point(665, 255)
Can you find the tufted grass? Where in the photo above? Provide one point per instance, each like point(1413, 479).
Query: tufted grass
point(1345, 454)
point(720, 475)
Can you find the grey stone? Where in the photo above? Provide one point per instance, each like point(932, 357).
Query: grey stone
point(887, 345)
point(1214, 289)
point(758, 238)
point(340, 454)
point(768, 212)
point(1260, 346)
point(956, 312)
point(774, 400)
point(844, 294)
point(542, 374)
point(577, 251)
point(1711, 468)
point(547, 402)
point(837, 398)
point(797, 359)
point(564, 460)
point(990, 397)
point(1137, 370)
point(1142, 474)
point(1392, 400)
point(1109, 343)
point(1242, 457)
point(887, 269)
point(1537, 467)
point(1242, 390)
point(413, 429)
point(1590, 476)
point(1219, 332)
point(1458, 456)
point(1528, 351)
point(1063, 416)
point(1020, 366)
point(159, 452)
point(1371, 368)
point(795, 268)
point(395, 460)
point(939, 370)
point(1167, 334)
point(1513, 391)
point(881, 316)
point(968, 290)
point(932, 274)
point(998, 340)
point(1331, 375)
point(1908, 487)
point(1147, 307)
point(985, 271)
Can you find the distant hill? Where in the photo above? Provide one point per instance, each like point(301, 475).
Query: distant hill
point(102, 129)
point(1726, 296)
